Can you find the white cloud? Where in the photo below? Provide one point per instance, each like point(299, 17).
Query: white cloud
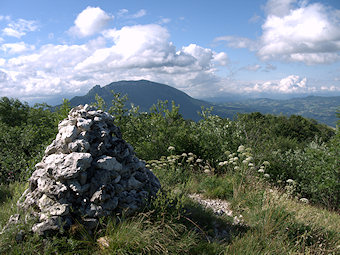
point(288, 85)
point(330, 88)
point(238, 42)
point(164, 21)
point(15, 48)
point(132, 52)
point(19, 28)
point(252, 68)
point(139, 14)
point(4, 18)
point(295, 31)
point(279, 8)
point(122, 12)
point(90, 21)
point(309, 34)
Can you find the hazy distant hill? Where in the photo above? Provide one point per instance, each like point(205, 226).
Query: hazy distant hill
point(144, 94)
point(322, 109)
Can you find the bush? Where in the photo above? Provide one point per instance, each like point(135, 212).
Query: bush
point(315, 171)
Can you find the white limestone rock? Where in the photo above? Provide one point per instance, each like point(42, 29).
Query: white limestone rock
point(87, 172)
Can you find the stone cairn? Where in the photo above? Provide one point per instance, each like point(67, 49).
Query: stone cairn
point(87, 172)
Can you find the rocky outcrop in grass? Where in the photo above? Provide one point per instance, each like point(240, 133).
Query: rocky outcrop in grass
point(87, 172)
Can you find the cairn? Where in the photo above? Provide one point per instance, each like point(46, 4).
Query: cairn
point(87, 172)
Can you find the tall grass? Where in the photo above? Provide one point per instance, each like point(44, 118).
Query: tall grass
point(273, 222)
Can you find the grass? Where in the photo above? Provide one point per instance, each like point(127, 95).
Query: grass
point(274, 223)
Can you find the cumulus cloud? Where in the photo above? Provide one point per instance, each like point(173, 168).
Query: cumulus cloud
point(15, 48)
point(19, 27)
point(295, 31)
point(287, 85)
point(90, 21)
point(132, 52)
point(309, 34)
point(279, 8)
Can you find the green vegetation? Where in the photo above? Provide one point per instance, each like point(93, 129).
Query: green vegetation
point(321, 109)
point(279, 174)
point(145, 93)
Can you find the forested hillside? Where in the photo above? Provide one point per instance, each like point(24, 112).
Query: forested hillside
point(322, 109)
point(280, 175)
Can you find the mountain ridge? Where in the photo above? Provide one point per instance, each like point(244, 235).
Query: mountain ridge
point(145, 93)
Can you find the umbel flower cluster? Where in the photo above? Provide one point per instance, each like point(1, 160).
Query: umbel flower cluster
point(242, 161)
point(184, 160)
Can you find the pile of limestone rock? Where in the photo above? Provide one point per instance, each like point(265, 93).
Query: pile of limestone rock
point(87, 172)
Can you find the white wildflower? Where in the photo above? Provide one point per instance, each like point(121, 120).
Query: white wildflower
point(190, 159)
point(266, 175)
point(184, 154)
point(249, 158)
point(290, 181)
point(171, 148)
point(260, 170)
point(240, 148)
point(304, 200)
point(250, 164)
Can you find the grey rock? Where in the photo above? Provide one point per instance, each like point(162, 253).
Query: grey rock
point(109, 163)
point(49, 225)
point(66, 166)
point(134, 184)
point(90, 223)
point(87, 172)
point(83, 178)
point(84, 124)
point(67, 133)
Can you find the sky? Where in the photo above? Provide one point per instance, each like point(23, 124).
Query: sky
point(51, 50)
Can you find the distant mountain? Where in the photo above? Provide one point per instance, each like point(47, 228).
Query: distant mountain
point(322, 109)
point(144, 94)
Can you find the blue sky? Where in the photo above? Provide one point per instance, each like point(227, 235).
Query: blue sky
point(273, 48)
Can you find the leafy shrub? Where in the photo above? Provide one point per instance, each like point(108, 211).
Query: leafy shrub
point(315, 171)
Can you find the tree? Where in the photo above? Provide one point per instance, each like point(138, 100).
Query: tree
point(13, 112)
